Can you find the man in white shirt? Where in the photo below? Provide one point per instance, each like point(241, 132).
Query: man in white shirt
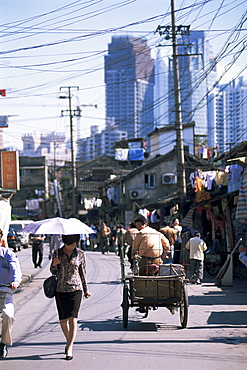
point(197, 248)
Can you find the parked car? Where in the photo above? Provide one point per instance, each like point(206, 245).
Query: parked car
point(17, 226)
point(14, 240)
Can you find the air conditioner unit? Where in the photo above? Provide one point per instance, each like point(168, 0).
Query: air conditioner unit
point(137, 194)
point(169, 178)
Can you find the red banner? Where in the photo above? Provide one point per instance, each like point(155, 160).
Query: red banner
point(10, 170)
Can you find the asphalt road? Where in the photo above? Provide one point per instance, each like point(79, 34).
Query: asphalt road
point(215, 338)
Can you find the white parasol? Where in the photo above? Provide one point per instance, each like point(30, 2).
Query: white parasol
point(59, 226)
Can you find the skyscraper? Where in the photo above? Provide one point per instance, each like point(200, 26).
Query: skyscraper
point(229, 104)
point(129, 79)
point(99, 143)
point(161, 112)
point(196, 76)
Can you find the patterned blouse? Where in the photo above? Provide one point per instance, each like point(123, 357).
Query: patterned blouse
point(71, 271)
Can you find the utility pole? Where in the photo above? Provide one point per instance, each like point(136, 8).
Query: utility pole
point(73, 173)
point(174, 31)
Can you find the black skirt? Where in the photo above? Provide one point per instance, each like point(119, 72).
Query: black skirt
point(68, 304)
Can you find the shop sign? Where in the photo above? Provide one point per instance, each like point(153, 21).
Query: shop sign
point(10, 170)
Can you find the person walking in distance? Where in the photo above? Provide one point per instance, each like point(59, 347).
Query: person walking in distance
point(55, 243)
point(178, 242)
point(128, 239)
point(171, 234)
point(69, 265)
point(37, 249)
point(197, 248)
point(104, 236)
point(10, 279)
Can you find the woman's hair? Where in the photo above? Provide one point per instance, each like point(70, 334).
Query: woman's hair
point(1, 233)
point(70, 239)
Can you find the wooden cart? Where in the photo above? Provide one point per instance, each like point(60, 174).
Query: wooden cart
point(152, 292)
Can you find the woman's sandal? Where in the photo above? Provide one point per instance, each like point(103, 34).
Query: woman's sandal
point(68, 358)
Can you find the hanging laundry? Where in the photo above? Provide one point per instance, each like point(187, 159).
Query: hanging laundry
point(221, 178)
point(110, 193)
point(210, 176)
point(136, 154)
point(205, 153)
point(234, 177)
point(121, 154)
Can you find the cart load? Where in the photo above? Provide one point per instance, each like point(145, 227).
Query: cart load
point(168, 289)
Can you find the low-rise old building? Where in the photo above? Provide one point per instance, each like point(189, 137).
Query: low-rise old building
point(29, 201)
point(146, 186)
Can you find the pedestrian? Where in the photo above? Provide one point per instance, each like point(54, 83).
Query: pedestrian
point(119, 243)
point(171, 234)
point(149, 244)
point(69, 265)
point(37, 249)
point(197, 248)
point(93, 238)
point(84, 241)
point(128, 239)
point(10, 279)
point(104, 238)
point(55, 243)
point(243, 254)
point(178, 242)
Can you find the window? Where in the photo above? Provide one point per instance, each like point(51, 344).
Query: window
point(23, 172)
point(150, 181)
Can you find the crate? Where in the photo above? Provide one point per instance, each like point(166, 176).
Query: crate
point(156, 288)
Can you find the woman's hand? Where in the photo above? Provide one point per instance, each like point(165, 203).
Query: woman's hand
point(14, 285)
point(87, 295)
point(55, 261)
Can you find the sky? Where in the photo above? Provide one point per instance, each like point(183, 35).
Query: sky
point(47, 46)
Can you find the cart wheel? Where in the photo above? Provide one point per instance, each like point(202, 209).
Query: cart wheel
point(125, 306)
point(184, 308)
point(212, 268)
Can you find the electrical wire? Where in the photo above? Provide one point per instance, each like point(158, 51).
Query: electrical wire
point(40, 86)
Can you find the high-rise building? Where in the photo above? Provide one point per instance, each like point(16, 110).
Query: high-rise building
point(196, 77)
point(99, 143)
point(229, 118)
point(160, 103)
point(53, 146)
point(129, 79)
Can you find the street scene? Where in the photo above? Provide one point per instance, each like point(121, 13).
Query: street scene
point(123, 185)
point(215, 337)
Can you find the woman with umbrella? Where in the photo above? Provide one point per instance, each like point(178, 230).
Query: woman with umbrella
point(69, 265)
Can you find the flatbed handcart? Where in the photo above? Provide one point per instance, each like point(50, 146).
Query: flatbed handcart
point(151, 292)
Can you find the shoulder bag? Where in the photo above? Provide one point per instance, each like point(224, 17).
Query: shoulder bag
point(50, 286)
